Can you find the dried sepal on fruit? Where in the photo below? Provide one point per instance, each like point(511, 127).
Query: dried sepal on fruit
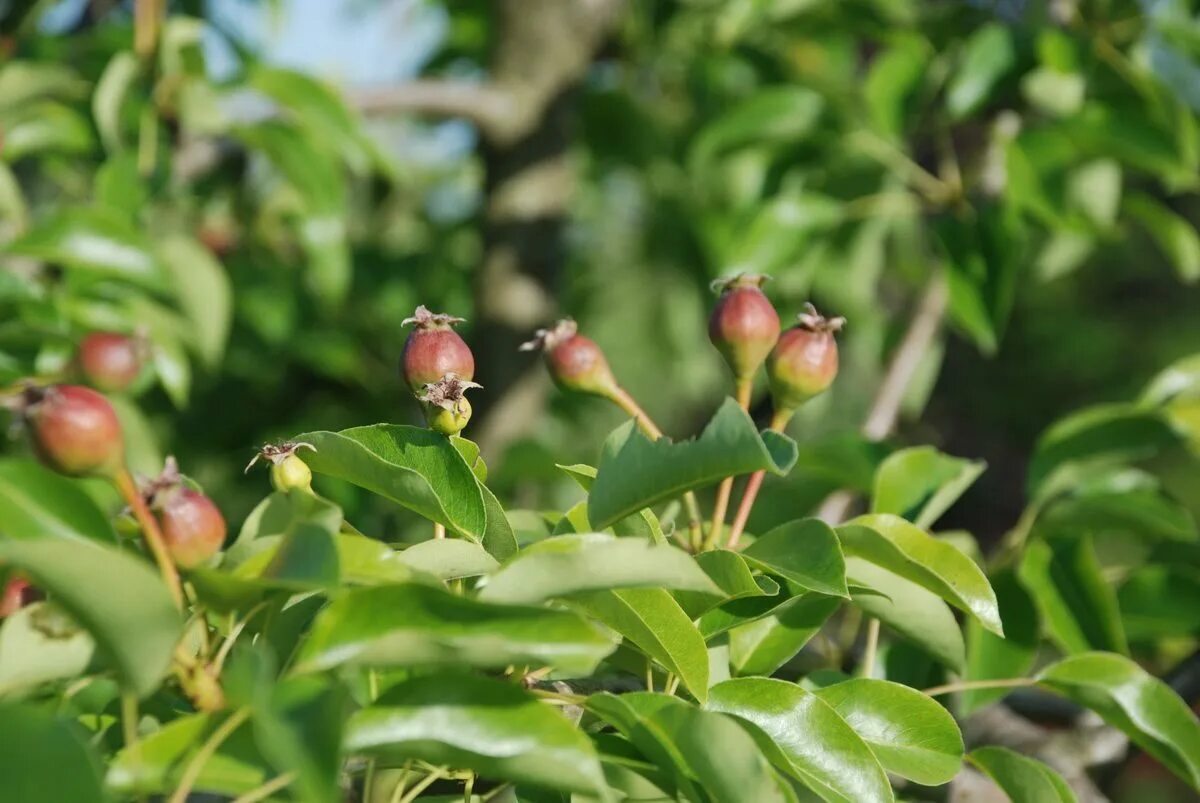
point(744, 325)
point(804, 362)
point(434, 349)
point(288, 471)
point(74, 430)
point(445, 404)
point(576, 362)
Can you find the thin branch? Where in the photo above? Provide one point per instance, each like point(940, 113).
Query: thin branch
point(276, 784)
point(967, 685)
point(207, 750)
point(481, 103)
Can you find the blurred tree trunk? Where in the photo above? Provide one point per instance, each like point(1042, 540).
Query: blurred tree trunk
point(541, 51)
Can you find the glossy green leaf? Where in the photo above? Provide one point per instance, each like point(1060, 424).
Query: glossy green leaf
point(38, 644)
point(573, 564)
point(893, 77)
point(781, 114)
point(762, 646)
point(499, 538)
point(299, 730)
point(365, 561)
point(651, 619)
point(412, 625)
point(805, 552)
point(911, 734)
point(1143, 514)
point(35, 502)
point(802, 735)
point(907, 608)
point(92, 241)
point(1173, 233)
point(1077, 605)
point(489, 726)
point(1128, 698)
point(203, 291)
point(160, 759)
point(449, 558)
point(921, 483)
point(414, 467)
point(1160, 602)
point(988, 56)
point(643, 524)
point(744, 610)
point(635, 473)
point(135, 630)
point(1023, 779)
point(990, 657)
point(632, 715)
point(44, 759)
point(45, 129)
point(114, 86)
point(732, 575)
point(904, 549)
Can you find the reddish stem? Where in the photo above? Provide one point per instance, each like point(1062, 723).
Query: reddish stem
point(128, 489)
point(725, 490)
point(778, 422)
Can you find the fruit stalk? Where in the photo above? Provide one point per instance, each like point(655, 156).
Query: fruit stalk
point(725, 490)
point(778, 422)
point(128, 489)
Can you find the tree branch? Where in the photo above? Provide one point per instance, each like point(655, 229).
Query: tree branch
point(484, 104)
point(885, 409)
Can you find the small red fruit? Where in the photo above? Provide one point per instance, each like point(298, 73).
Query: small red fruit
point(804, 362)
point(576, 363)
point(434, 350)
point(109, 361)
point(192, 526)
point(74, 429)
point(744, 325)
point(18, 593)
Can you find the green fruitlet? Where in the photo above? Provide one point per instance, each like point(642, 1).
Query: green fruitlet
point(576, 363)
point(446, 407)
point(744, 325)
point(74, 430)
point(434, 350)
point(804, 362)
point(288, 471)
point(109, 361)
point(192, 525)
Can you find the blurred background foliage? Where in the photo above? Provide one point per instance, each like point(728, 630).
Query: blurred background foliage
point(273, 189)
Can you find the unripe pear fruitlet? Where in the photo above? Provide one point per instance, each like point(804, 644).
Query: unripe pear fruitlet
point(109, 361)
point(446, 407)
point(804, 362)
point(192, 526)
point(744, 325)
point(18, 592)
point(74, 430)
point(575, 362)
point(433, 350)
point(288, 471)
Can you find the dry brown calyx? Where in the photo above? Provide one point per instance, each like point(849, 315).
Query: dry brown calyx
point(814, 321)
point(422, 318)
point(169, 478)
point(549, 339)
point(276, 453)
point(448, 392)
point(727, 283)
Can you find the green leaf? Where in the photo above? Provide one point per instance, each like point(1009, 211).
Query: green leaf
point(489, 726)
point(135, 630)
point(633, 716)
point(805, 552)
point(1174, 234)
point(412, 625)
point(35, 502)
point(782, 114)
point(643, 524)
point(159, 760)
point(92, 241)
point(911, 734)
point(907, 608)
point(449, 558)
point(1023, 779)
point(894, 76)
point(573, 564)
point(732, 576)
point(1160, 602)
point(1103, 431)
point(204, 294)
point(1128, 698)
point(906, 550)
point(36, 647)
point(174, 371)
point(46, 760)
point(762, 646)
point(299, 730)
point(1144, 514)
point(805, 737)
point(652, 620)
point(365, 561)
point(990, 657)
point(921, 483)
point(988, 56)
point(43, 129)
point(635, 473)
point(1078, 606)
point(414, 467)
point(111, 90)
point(498, 537)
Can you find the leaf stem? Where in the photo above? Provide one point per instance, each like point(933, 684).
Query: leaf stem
point(423, 784)
point(871, 648)
point(744, 387)
point(129, 723)
point(967, 685)
point(626, 402)
point(151, 532)
point(266, 790)
point(207, 750)
point(778, 422)
point(439, 530)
